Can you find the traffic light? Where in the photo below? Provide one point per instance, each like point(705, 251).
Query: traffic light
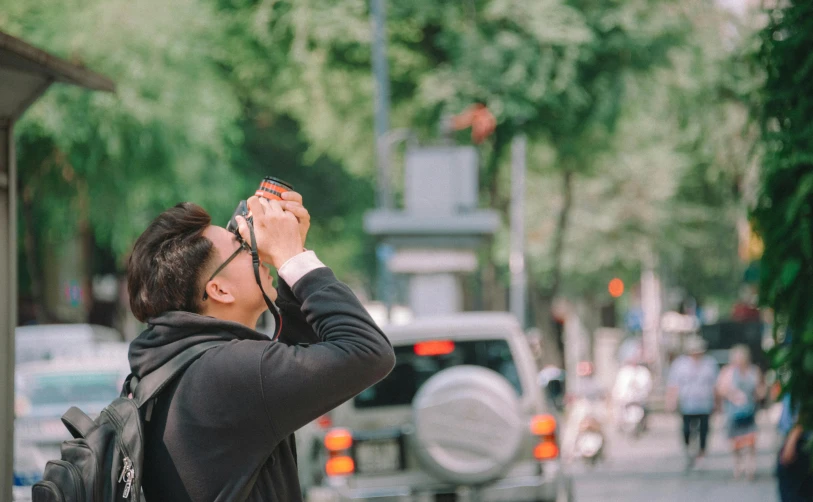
point(616, 287)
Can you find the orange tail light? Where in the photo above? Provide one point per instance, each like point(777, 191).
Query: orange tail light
point(340, 466)
point(543, 425)
point(546, 450)
point(338, 440)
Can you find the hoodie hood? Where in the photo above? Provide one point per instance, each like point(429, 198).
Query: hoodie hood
point(169, 334)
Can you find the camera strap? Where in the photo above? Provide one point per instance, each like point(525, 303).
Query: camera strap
point(255, 260)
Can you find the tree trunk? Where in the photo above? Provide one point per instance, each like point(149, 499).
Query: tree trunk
point(542, 297)
point(86, 243)
point(490, 177)
point(561, 230)
point(493, 291)
point(551, 341)
point(31, 262)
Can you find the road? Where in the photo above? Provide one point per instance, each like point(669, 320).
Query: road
point(651, 469)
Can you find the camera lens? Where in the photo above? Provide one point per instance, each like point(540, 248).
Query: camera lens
point(273, 188)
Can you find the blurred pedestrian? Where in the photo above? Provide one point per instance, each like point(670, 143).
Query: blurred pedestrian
point(740, 388)
point(691, 391)
point(793, 472)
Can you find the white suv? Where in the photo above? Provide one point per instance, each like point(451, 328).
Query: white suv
point(460, 418)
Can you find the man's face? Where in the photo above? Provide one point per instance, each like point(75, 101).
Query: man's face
point(237, 278)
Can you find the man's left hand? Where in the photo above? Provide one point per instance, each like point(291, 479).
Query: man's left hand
point(292, 202)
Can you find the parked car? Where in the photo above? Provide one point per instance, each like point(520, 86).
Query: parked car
point(28, 466)
point(46, 389)
point(723, 335)
point(48, 341)
point(461, 414)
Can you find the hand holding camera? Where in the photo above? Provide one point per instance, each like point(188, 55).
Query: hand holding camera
point(279, 221)
point(276, 231)
point(292, 202)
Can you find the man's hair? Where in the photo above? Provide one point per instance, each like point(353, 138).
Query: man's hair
point(165, 269)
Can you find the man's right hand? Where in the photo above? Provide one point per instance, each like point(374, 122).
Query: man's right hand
point(787, 455)
point(275, 230)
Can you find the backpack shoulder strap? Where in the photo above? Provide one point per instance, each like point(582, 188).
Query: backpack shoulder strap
point(153, 383)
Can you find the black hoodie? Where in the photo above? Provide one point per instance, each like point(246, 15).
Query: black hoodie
point(234, 410)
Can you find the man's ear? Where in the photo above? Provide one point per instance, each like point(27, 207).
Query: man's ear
point(219, 291)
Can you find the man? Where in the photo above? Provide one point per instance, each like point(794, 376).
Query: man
point(223, 431)
point(691, 391)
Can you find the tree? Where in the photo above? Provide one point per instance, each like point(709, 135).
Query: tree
point(105, 165)
point(183, 121)
point(554, 70)
point(229, 91)
point(784, 211)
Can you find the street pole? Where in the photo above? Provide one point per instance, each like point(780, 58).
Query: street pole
point(517, 256)
point(651, 307)
point(382, 102)
point(378, 19)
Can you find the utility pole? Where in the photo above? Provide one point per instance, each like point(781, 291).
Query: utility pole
point(378, 18)
point(517, 256)
point(651, 306)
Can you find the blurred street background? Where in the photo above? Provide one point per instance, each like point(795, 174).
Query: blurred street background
point(652, 468)
point(629, 180)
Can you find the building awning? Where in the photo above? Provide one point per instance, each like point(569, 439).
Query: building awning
point(26, 72)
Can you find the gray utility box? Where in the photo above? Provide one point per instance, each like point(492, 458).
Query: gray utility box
point(440, 203)
point(435, 235)
point(440, 180)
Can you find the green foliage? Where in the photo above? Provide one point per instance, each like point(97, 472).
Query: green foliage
point(784, 212)
point(116, 160)
point(559, 71)
point(654, 174)
point(212, 94)
point(177, 128)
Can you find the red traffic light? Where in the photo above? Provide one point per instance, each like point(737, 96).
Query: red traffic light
point(616, 287)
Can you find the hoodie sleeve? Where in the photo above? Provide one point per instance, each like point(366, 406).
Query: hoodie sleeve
point(301, 383)
point(295, 328)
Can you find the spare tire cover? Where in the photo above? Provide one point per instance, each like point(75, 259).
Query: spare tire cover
point(468, 425)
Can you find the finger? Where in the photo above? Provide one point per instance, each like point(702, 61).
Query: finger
point(288, 204)
point(292, 196)
point(255, 205)
point(242, 227)
point(274, 206)
point(291, 217)
point(298, 209)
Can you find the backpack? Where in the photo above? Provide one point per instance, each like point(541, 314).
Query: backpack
point(103, 463)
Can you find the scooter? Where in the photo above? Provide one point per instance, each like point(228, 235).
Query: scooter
point(632, 388)
point(633, 419)
point(590, 441)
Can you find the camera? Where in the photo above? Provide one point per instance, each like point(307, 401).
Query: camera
point(270, 188)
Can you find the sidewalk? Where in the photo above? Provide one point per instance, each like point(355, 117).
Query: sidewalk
point(652, 468)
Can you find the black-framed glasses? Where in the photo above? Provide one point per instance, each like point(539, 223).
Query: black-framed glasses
point(243, 247)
